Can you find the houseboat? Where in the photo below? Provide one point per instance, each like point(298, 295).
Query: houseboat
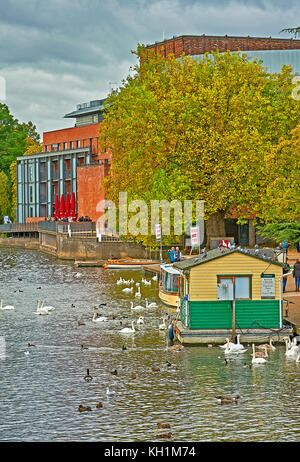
point(169, 285)
point(227, 292)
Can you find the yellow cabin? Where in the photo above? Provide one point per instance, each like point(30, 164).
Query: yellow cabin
point(230, 291)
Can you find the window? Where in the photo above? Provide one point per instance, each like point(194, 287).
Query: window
point(235, 287)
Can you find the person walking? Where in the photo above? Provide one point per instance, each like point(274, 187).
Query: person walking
point(296, 274)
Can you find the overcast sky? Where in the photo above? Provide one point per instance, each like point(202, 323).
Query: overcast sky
point(55, 54)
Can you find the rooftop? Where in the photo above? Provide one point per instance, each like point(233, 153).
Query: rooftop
point(87, 108)
point(260, 254)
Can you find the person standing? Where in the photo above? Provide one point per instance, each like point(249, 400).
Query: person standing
point(177, 254)
point(296, 274)
point(171, 254)
point(171, 334)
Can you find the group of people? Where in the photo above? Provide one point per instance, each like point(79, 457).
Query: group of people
point(174, 254)
point(296, 274)
point(84, 219)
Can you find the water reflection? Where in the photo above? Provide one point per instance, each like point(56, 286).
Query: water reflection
point(41, 392)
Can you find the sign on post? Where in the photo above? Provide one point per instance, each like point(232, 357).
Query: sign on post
point(158, 231)
point(194, 236)
point(268, 286)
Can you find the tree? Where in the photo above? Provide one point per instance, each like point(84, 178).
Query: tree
point(281, 231)
point(292, 30)
point(32, 147)
point(187, 129)
point(5, 203)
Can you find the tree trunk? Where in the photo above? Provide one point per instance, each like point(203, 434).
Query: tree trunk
point(215, 227)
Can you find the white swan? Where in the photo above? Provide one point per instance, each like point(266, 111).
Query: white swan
point(99, 318)
point(137, 307)
point(138, 293)
point(257, 357)
point(129, 330)
point(40, 310)
point(227, 342)
point(110, 392)
point(163, 326)
point(127, 290)
point(47, 308)
point(292, 349)
point(155, 278)
point(7, 307)
point(151, 305)
point(141, 320)
point(235, 347)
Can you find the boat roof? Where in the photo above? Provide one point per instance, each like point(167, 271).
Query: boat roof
point(260, 254)
point(170, 269)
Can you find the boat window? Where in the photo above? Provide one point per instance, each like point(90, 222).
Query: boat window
point(234, 287)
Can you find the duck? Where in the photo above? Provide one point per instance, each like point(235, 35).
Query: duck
point(141, 320)
point(82, 408)
point(110, 392)
point(80, 323)
point(258, 357)
point(97, 318)
point(124, 348)
point(162, 425)
point(165, 435)
point(99, 405)
point(137, 307)
point(151, 305)
point(83, 347)
point(88, 377)
point(269, 346)
point(227, 399)
point(127, 290)
point(155, 369)
point(30, 345)
point(247, 366)
point(163, 326)
point(7, 307)
point(133, 376)
point(115, 372)
point(128, 330)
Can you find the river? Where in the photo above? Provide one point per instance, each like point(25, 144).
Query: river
point(41, 391)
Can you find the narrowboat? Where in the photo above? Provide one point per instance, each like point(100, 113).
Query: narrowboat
point(128, 263)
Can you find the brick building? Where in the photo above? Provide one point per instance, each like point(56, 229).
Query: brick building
point(71, 161)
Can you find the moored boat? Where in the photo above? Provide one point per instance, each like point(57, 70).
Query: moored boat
point(169, 285)
point(128, 263)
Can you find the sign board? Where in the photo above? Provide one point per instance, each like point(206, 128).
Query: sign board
point(158, 231)
point(268, 286)
point(194, 236)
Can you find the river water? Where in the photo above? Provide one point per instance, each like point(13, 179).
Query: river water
point(40, 392)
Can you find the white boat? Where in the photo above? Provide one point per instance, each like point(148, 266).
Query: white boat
point(169, 285)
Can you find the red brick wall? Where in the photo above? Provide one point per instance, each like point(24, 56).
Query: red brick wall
point(89, 189)
point(66, 135)
point(199, 44)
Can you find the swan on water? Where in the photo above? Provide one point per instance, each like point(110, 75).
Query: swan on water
point(258, 359)
point(235, 347)
point(163, 326)
point(138, 293)
point(47, 308)
point(99, 318)
point(128, 330)
point(110, 392)
point(155, 278)
point(269, 346)
point(259, 354)
point(127, 290)
point(291, 348)
point(7, 307)
point(137, 307)
point(151, 305)
point(40, 310)
point(141, 320)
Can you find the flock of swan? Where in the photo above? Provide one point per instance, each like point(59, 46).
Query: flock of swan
point(260, 357)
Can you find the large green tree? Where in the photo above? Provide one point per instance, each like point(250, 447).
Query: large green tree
point(188, 129)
